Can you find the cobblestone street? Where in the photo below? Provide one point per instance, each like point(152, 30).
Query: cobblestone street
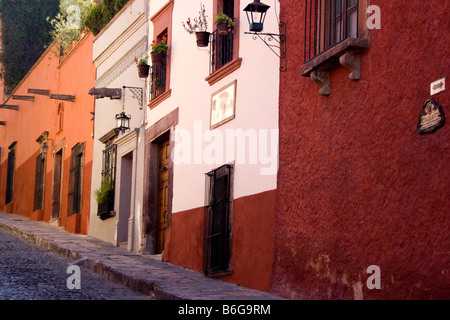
point(28, 272)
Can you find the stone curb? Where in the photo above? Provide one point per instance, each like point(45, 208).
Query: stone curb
point(160, 280)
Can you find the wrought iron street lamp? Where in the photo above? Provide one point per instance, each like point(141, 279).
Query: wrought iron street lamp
point(256, 14)
point(44, 148)
point(123, 122)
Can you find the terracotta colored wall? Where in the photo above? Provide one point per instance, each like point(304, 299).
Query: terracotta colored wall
point(252, 245)
point(73, 76)
point(358, 186)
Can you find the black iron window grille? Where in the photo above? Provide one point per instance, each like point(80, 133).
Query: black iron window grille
point(217, 240)
point(108, 179)
point(327, 23)
point(158, 79)
point(221, 50)
point(39, 180)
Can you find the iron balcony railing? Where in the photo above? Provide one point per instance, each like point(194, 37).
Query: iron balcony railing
point(327, 23)
point(158, 75)
point(221, 50)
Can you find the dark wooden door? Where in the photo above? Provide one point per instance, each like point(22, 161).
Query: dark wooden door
point(163, 195)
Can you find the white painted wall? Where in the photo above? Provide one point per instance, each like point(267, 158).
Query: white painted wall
point(256, 101)
point(114, 52)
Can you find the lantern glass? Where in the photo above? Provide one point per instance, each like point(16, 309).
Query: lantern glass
point(122, 122)
point(44, 148)
point(256, 14)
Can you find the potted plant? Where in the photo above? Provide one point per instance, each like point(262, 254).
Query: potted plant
point(159, 51)
point(143, 67)
point(224, 23)
point(104, 196)
point(199, 26)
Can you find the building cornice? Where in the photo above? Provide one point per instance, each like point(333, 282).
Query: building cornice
point(120, 40)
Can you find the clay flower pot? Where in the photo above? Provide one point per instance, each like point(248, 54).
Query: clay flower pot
point(222, 27)
point(143, 70)
point(202, 38)
point(157, 58)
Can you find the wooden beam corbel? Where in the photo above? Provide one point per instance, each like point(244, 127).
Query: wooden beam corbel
point(23, 98)
point(351, 61)
point(112, 93)
point(63, 97)
point(322, 77)
point(39, 92)
point(9, 107)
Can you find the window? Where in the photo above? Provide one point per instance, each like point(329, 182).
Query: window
point(329, 22)
point(75, 179)
point(39, 183)
point(225, 48)
point(335, 34)
point(109, 178)
point(217, 238)
point(10, 173)
point(159, 84)
point(158, 74)
point(222, 45)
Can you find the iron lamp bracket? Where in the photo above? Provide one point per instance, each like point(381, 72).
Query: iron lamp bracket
point(278, 46)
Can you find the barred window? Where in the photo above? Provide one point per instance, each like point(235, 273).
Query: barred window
point(222, 44)
point(105, 208)
point(327, 23)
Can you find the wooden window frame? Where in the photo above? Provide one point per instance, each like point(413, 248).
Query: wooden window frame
point(328, 56)
point(162, 25)
point(235, 62)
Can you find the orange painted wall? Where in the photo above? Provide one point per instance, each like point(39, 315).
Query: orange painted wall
point(73, 75)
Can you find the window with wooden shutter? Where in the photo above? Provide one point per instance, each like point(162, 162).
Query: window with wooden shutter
point(39, 183)
point(75, 179)
point(217, 240)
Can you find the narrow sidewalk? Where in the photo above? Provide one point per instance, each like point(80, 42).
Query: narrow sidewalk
point(160, 280)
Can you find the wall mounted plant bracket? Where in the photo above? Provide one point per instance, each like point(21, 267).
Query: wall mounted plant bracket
point(137, 93)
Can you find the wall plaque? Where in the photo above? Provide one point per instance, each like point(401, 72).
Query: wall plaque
point(431, 118)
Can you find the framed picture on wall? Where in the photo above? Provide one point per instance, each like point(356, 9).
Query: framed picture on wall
point(223, 105)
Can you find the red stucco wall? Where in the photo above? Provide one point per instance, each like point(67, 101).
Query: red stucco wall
point(358, 186)
point(252, 240)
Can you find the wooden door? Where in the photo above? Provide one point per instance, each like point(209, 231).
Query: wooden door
point(163, 195)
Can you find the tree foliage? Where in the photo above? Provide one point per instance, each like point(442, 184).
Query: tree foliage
point(69, 22)
point(25, 34)
point(102, 13)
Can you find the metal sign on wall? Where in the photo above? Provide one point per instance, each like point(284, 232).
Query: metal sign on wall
point(431, 118)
